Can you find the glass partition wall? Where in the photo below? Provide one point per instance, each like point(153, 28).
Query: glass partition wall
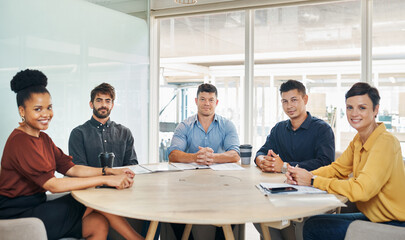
point(319, 44)
point(78, 45)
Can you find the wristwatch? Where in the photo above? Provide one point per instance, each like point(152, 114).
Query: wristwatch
point(312, 180)
point(284, 167)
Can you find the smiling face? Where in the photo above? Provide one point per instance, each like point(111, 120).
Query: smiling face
point(102, 106)
point(294, 103)
point(206, 103)
point(38, 113)
point(360, 113)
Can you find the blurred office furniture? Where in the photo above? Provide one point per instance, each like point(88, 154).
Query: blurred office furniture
point(22, 229)
point(387, 120)
point(373, 231)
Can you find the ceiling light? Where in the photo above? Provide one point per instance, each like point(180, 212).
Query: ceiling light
point(185, 1)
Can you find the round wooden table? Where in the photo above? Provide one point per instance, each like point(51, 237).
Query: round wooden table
point(206, 197)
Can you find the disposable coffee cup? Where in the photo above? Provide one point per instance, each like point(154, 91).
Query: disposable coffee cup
point(245, 153)
point(106, 159)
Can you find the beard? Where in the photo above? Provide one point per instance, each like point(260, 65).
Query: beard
point(98, 113)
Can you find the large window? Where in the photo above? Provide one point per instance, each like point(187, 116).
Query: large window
point(316, 44)
point(389, 62)
point(189, 46)
point(319, 44)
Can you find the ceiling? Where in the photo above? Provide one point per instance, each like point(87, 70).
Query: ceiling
point(132, 6)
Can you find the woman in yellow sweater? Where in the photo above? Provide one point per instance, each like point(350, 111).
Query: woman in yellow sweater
point(374, 157)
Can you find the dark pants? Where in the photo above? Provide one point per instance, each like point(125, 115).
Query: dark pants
point(334, 226)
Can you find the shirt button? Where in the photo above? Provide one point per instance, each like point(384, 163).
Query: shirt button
point(105, 140)
point(103, 130)
point(98, 127)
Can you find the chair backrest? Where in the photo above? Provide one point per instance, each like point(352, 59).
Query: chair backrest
point(373, 231)
point(337, 154)
point(22, 229)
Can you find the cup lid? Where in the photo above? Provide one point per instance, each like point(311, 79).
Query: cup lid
point(106, 154)
point(245, 146)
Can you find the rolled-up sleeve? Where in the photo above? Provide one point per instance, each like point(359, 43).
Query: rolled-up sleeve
point(231, 141)
point(179, 141)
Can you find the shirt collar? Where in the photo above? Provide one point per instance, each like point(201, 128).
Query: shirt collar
point(96, 123)
point(304, 125)
point(195, 120)
point(373, 137)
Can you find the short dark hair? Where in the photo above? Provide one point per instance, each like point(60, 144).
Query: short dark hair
point(362, 88)
point(27, 82)
point(103, 88)
point(207, 87)
point(291, 85)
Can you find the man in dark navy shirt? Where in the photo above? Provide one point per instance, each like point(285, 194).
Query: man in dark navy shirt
point(302, 140)
point(100, 134)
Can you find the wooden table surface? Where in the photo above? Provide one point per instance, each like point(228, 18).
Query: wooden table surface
point(205, 197)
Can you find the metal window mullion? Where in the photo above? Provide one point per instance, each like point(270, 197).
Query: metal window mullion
point(154, 74)
point(366, 40)
point(248, 81)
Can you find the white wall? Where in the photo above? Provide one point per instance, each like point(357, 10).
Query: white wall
point(78, 45)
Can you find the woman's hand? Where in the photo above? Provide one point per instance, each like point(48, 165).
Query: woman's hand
point(120, 171)
point(119, 181)
point(298, 176)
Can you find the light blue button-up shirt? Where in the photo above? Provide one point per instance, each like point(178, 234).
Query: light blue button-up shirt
point(189, 135)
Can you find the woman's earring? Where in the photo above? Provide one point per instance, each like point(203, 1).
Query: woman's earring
point(23, 118)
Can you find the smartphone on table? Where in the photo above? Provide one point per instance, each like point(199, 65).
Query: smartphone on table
point(282, 189)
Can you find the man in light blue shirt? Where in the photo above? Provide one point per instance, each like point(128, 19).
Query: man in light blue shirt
point(205, 138)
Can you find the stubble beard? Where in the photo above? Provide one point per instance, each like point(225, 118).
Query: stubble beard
point(99, 115)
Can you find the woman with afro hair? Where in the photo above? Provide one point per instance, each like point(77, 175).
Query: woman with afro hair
point(29, 161)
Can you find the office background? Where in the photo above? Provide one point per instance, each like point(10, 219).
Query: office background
point(157, 52)
point(78, 45)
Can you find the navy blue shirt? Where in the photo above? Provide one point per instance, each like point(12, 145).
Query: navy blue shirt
point(311, 146)
point(87, 141)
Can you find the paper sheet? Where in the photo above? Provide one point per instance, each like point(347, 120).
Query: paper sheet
point(306, 200)
point(226, 167)
point(162, 167)
point(189, 166)
point(137, 169)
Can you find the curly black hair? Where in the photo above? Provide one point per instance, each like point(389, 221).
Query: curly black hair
point(26, 82)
